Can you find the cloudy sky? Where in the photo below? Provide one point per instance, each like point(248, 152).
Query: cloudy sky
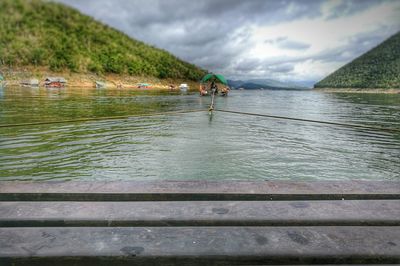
point(287, 40)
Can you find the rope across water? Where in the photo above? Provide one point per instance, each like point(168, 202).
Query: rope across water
point(312, 121)
point(357, 126)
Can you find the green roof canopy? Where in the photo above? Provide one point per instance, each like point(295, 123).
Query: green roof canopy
point(216, 77)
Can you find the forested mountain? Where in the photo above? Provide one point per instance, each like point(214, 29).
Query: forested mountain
point(378, 68)
point(52, 35)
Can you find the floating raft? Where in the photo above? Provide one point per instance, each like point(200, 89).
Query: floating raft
point(198, 222)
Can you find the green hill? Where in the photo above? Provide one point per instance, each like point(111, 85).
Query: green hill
point(378, 68)
point(47, 34)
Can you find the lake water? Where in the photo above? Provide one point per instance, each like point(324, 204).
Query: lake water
point(195, 145)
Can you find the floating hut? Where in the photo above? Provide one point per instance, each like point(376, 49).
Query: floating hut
point(30, 83)
point(56, 82)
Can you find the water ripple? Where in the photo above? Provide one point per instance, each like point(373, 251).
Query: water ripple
point(195, 146)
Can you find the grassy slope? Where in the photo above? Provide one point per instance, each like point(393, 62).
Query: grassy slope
point(45, 34)
point(378, 68)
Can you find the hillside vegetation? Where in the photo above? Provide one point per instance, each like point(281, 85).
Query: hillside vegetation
point(378, 68)
point(52, 35)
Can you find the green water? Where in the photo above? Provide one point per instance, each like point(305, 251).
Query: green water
point(193, 146)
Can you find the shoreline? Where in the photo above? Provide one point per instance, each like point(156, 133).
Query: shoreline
point(358, 90)
point(14, 78)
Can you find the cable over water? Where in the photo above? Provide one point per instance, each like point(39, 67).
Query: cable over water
point(312, 121)
point(202, 110)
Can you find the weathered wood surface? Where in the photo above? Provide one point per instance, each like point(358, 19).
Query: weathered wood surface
point(255, 245)
point(199, 222)
point(194, 213)
point(198, 190)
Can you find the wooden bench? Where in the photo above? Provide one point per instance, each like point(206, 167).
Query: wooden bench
point(199, 222)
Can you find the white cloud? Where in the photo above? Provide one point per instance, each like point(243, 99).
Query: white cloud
point(322, 34)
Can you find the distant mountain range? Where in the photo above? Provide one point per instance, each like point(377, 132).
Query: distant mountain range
point(267, 84)
point(378, 68)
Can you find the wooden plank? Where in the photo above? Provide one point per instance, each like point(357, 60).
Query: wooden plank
point(197, 190)
point(214, 213)
point(199, 245)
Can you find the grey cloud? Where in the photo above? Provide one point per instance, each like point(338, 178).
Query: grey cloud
point(246, 65)
point(209, 33)
point(348, 8)
point(214, 34)
point(286, 43)
point(355, 46)
point(294, 45)
point(281, 68)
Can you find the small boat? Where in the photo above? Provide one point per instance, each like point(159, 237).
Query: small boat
point(214, 84)
point(55, 82)
point(2, 82)
point(183, 87)
point(100, 85)
point(144, 86)
point(30, 83)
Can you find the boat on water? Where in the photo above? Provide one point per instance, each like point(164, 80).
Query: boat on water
point(2, 82)
point(214, 84)
point(55, 82)
point(100, 85)
point(144, 86)
point(30, 83)
point(184, 87)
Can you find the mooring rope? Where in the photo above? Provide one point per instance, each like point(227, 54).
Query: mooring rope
point(99, 118)
point(211, 108)
point(202, 110)
point(313, 121)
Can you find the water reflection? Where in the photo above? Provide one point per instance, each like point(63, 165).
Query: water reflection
point(196, 145)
